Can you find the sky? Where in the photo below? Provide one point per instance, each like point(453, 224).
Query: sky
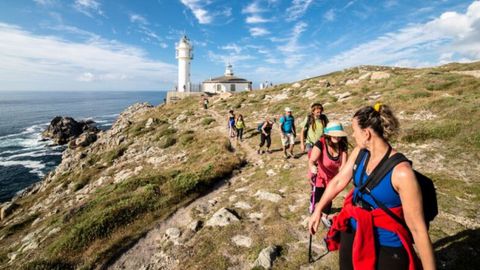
point(127, 45)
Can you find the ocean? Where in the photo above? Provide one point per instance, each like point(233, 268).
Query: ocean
point(24, 158)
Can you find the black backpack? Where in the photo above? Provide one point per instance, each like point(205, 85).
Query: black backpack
point(429, 195)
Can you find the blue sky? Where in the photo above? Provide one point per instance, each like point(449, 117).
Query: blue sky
point(130, 45)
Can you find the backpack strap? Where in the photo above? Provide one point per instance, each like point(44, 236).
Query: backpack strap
point(375, 179)
point(360, 155)
point(386, 167)
point(378, 172)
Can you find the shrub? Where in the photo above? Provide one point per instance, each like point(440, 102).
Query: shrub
point(207, 121)
point(166, 142)
point(49, 265)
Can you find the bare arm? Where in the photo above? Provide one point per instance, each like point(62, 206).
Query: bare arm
point(336, 185)
point(405, 183)
point(313, 158)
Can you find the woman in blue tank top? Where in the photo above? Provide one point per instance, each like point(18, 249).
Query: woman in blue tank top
point(373, 126)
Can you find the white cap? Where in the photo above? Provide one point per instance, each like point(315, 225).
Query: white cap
point(287, 109)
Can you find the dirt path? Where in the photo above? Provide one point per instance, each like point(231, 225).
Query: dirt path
point(147, 253)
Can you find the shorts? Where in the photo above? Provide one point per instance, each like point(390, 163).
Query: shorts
point(288, 139)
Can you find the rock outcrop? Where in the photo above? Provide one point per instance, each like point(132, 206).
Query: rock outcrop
point(62, 130)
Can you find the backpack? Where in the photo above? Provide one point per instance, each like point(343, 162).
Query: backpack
point(323, 119)
point(429, 194)
point(259, 127)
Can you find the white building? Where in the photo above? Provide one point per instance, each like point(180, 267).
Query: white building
point(184, 55)
point(226, 83)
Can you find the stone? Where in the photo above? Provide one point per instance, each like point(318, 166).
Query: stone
point(172, 233)
point(271, 173)
point(352, 81)
point(296, 85)
point(309, 94)
point(62, 130)
point(85, 139)
point(195, 225)
point(243, 205)
point(242, 241)
point(222, 217)
point(255, 216)
point(232, 198)
point(379, 75)
point(243, 189)
point(150, 122)
point(266, 257)
point(268, 196)
point(7, 209)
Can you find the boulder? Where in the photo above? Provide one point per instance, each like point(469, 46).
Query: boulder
point(242, 241)
point(62, 130)
point(222, 217)
point(268, 196)
point(85, 139)
point(7, 209)
point(243, 205)
point(266, 257)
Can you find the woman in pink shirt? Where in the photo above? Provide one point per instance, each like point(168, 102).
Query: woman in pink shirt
point(327, 157)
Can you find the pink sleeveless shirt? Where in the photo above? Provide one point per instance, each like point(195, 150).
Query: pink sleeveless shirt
point(327, 166)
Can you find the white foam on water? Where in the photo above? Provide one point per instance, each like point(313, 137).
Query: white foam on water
point(34, 165)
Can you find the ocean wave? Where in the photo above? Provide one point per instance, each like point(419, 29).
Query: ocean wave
point(34, 165)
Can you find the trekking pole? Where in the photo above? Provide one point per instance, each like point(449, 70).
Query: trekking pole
point(310, 210)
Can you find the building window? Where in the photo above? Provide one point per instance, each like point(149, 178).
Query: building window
point(232, 87)
point(219, 88)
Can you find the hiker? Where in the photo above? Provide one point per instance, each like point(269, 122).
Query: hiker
point(287, 126)
point(327, 157)
point(265, 135)
point(369, 237)
point(231, 124)
point(312, 130)
point(239, 126)
point(205, 103)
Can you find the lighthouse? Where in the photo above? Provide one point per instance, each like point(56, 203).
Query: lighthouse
point(184, 54)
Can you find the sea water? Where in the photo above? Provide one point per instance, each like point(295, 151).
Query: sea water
point(24, 158)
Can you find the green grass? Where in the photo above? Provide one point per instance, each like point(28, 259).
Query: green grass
point(207, 121)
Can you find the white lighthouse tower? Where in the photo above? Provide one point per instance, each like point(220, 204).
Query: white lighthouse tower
point(184, 55)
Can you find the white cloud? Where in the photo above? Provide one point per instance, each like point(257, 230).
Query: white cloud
point(253, 8)
point(136, 18)
point(297, 9)
point(256, 19)
point(292, 50)
point(199, 10)
point(88, 7)
point(452, 36)
point(258, 31)
point(56, 64)
point(45, 2)
point(329, 15)
point(232, 47)
point(231, 57)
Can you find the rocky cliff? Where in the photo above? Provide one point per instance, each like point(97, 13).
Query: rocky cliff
point(164, 188)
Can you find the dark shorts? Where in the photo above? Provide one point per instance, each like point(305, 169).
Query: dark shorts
point(390, 258)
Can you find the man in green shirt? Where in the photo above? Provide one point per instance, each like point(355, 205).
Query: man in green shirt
point(312, 127)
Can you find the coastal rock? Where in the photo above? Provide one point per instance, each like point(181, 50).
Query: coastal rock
point(222, 217)
point(266, 257)
point(64, 129)
point(85, 139)
point(7, 209)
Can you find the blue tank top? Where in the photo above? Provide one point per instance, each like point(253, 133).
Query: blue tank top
point(383, 192)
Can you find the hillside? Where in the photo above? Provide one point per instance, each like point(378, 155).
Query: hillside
point(143, 195)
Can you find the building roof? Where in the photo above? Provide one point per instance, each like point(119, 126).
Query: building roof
point(227, 79)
